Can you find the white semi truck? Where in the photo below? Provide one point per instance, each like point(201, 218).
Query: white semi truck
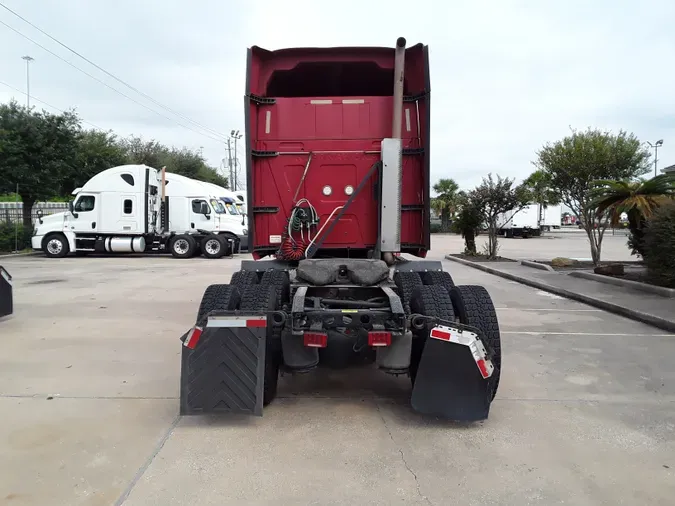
point(131, 209)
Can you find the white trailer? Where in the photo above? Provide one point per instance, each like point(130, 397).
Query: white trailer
point(523, 223)
point(551, 217)
point(125, 210)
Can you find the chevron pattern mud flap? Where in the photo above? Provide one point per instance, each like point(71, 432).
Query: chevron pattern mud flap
point(222, 368)
point(6, 298)
point(452, 377)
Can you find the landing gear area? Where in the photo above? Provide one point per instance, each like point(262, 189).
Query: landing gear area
point(275, 317)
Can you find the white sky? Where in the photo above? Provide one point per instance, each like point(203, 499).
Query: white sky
point(506, 75)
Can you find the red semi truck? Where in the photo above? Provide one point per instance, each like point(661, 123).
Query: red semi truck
point(337, 144)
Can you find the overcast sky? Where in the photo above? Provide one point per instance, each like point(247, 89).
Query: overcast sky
point(506, 76)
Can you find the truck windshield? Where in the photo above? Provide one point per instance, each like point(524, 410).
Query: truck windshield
point(232, 208)
point(217, 206)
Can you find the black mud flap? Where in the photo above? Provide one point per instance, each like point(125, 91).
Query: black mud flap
point(449, 384)
point(6, 299)
point(222, 368)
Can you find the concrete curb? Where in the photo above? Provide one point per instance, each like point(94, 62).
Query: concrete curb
point(15, 255)
point(626, 283)
point(649, 319)
point(536, 265)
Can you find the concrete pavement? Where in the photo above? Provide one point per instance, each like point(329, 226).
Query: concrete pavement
point(584, 414)
point(648, 308)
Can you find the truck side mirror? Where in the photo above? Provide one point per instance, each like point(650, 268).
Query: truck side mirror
point(205, 209)
point(71, 208)
point(39, 215)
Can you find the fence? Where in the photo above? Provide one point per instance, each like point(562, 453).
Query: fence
point(12, 212)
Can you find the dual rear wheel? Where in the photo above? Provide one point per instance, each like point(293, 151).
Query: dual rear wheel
point(434, 294)
point(246, 293)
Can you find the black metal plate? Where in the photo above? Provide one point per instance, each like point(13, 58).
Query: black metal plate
point(224, 373)
point(6, 299)
point(449, 384)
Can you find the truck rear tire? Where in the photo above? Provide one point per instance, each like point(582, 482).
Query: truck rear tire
point(407, 282)
point(182, 246)
point(442, 278)
point(263, 298)
point(213, 246)
point(473, 306)
point(218, 298)
point(243, 279)
point(55, 246)
point(428, 300)
point(281, 283)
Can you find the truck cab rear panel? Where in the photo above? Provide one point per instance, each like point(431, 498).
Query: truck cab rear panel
point(335, 104)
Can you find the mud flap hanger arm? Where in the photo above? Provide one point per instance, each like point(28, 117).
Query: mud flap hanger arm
point(420, 322)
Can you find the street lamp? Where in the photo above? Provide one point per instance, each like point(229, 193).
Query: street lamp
point(28, 60)
point(656, 147)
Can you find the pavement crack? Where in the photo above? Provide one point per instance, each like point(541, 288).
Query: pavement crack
point(141, 471)
point(405, 462)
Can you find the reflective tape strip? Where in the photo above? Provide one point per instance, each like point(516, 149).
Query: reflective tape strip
point(407, 119)
point(237, 321)
point(268, 121)
point(193, 337)
point(353, 101)
point(469, 339)
point(321, 102)
point(5, 276)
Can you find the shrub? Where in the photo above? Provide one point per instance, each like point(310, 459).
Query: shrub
point(435, 228)
point(659, 246)
point(7, 238)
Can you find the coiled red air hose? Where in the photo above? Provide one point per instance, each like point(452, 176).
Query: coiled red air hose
point(293, 250)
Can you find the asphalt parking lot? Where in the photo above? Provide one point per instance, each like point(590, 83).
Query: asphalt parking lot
point(585, 414)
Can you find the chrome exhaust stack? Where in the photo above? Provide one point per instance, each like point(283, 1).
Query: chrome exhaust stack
point(392, 166)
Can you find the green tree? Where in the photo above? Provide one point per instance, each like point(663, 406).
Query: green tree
point(468, 221)
point(37, 152)
point(578, 160)
point(638, 199)
point(494, 197)
point(445, 203)
point(97, 151)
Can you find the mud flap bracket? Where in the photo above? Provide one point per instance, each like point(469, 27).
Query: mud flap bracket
point(223, 364)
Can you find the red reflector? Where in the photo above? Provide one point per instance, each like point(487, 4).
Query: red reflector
point(379, 338)
point(437, 333)
point(256, 323)
point(193, 337)
point(316, 339)
point(483, 368)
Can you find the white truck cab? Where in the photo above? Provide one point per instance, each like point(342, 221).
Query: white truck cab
point(233, 208)
point(135, 209)
point(185, 197)
point(120, 204)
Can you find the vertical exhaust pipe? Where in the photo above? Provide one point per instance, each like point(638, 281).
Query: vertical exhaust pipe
point(392, 174)
point(399, 74)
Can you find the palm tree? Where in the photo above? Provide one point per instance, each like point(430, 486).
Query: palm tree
point(539, 185)
point(446, 202)
point(638, 199)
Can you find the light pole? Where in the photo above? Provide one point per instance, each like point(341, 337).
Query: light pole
point(236, 136)
point(656, 147)
point(28, 60)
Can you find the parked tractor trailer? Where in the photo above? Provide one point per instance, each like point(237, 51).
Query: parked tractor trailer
point(338, 185)
point(139, 209)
